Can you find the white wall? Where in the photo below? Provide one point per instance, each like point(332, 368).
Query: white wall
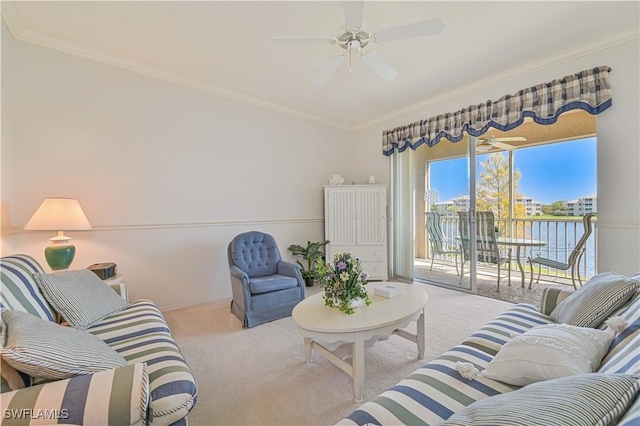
point(167, 175)
point(618, 147)
point(6, 163)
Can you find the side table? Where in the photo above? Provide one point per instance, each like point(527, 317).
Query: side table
point(118, 279)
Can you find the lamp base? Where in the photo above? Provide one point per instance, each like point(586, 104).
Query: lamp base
point(59, 256)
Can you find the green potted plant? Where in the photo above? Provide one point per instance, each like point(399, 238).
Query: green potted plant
point(311, 254)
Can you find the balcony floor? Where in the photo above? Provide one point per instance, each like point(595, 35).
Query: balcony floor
point(445, 273)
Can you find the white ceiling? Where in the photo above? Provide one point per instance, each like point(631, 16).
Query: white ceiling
point(225, 47)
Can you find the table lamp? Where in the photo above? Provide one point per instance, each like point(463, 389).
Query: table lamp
point(59, 214)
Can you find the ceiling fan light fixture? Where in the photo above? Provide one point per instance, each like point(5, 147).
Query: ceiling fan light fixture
point(352, 36)
point(483, 147)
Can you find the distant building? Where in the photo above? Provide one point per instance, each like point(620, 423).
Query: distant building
point(531, 208)
point(449, 208)
point(431, 196)
point(582, 206)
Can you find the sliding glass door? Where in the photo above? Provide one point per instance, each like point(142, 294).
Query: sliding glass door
point(401, 216)
point(429, 187)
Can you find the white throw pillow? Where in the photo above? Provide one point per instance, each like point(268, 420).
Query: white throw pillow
point(548, 352)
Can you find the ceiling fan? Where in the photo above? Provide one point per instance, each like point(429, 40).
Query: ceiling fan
point(487, 143)
point(354, 38)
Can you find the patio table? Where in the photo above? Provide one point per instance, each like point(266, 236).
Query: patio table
point(519, 243)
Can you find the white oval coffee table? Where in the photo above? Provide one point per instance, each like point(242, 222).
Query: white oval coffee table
point(317, 322)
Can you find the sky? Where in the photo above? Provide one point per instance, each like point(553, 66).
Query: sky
point(559, 171)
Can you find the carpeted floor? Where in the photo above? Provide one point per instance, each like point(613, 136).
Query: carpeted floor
point(258, 376)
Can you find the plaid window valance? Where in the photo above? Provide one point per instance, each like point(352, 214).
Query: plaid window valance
point(588, 90)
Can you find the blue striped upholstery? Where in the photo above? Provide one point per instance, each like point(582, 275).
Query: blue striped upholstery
point(140, 334)
point(19, 290)
point(624, 356)
point(434, 392)
point(583, 399)
point(115, 397)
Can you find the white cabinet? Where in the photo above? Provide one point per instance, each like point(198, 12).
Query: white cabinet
point(355, 221)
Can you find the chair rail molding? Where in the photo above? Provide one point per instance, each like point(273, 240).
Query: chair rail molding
point(216, 224)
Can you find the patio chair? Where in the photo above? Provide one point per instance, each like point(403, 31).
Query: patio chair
point(573, 261)
point(487, 249)
point(439, 244)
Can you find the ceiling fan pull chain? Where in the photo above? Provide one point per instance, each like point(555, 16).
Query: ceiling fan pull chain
point(349, 57)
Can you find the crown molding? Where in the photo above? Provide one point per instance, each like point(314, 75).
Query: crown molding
point(585, 49)
point(25, 34)
point(22, 33)
point(11, 18)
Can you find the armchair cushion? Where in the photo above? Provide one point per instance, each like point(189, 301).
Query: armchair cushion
point(271, 283)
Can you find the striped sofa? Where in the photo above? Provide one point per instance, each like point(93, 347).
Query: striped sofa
point(155, 386)
point(433, 393)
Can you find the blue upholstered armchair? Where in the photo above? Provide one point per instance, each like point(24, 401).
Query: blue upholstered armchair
point(265, 287)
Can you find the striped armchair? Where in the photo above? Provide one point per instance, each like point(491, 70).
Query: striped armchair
point(155, 385)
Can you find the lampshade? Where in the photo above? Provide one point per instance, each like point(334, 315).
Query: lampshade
point(59, 214)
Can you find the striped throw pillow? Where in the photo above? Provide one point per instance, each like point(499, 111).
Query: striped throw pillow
point(596, 300)
point(48, 350)
point(586, 399)
point(80, 296)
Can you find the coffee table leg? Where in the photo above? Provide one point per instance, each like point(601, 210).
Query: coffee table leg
point(421, 335)
point(358, 367)
point(308, 349)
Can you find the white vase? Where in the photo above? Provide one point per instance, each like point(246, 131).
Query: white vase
point(355, 303)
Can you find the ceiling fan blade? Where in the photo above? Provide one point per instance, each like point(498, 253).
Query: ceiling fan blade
point(416, 29)
point(353, 13)
point(512, 139)
point(379, 65)
point(503, 146)
point(329, 69)
point(286, 41)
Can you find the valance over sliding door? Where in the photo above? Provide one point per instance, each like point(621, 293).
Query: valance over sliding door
point(588, 90)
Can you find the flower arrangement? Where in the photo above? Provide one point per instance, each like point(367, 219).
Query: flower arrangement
point(343, 282)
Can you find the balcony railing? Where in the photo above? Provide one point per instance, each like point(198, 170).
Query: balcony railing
point(560, 236)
